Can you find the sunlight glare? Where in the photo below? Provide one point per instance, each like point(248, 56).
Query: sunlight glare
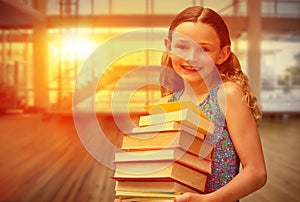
point(76, 47)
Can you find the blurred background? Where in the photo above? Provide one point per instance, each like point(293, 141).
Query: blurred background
point(45, 43)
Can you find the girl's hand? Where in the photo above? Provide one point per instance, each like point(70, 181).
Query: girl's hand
point(117, 200)
point(190, 197)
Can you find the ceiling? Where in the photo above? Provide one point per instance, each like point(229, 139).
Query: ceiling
point(14, 13)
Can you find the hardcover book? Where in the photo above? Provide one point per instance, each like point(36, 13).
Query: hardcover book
point(160, 140)
point(170, 126)
point(161, 187)
point(170, 155)
point(186, 116)
point(161, 171)
point(174, 106)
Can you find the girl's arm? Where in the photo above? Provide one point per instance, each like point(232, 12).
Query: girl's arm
point(244, 134)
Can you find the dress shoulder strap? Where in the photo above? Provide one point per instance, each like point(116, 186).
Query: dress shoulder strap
point(175, 96)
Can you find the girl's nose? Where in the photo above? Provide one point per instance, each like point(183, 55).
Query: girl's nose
point(193, 55)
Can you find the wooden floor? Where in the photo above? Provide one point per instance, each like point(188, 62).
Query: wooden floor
point(43, 160)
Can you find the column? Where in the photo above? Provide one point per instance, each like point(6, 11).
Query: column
point(254, 41)
point(40, 60)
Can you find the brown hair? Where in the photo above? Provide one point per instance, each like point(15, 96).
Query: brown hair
point(230, 70)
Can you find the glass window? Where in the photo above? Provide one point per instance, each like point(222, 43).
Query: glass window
point(268, 8)
point(53, 7)
point(280, 74)
point(280, 61)
point(85, 7)
point(101, 7)
point(289, 8)
point(225, 7)
point(170, 6)
point(128, 6)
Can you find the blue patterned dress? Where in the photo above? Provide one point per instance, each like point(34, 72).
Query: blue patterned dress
point(225, 161)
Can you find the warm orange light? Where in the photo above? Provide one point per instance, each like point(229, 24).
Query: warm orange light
point(74, 47)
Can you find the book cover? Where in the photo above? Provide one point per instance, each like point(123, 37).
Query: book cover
point(153, 195)
point(147, 199)
point(162, 140)
point(186, 116)
point(162, 186)
point(174, 106)
point(161, 171)
point(170, 126)
point(169, 154)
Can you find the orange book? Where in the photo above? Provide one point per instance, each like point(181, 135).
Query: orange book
point(170, 126)
point(147, 199)
point(161, 171)
point(153, 187)
point(174, 106)
point(145, 196)
point(170, 154)
point(185, 116)
point(162, 140)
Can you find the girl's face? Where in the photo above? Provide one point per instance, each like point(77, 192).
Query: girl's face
point(195, 50)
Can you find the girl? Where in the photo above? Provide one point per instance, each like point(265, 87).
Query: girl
point(199, 60)
point(222, 92)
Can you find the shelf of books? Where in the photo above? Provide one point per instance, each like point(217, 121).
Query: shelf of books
point(159, 159)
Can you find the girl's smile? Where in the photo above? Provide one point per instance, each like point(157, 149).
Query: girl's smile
point(190, 68)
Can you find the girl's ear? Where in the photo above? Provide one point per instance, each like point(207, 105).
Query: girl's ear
point(167, 44)
point(223, 55)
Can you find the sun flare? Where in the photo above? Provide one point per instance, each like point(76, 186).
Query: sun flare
point(74, 48)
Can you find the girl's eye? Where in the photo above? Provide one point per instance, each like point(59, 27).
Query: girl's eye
point(204, 50)
point(183, 47)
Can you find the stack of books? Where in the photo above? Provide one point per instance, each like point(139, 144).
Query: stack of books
point(159, 159)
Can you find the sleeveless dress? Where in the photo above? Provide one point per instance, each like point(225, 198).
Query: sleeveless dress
point(225, 161)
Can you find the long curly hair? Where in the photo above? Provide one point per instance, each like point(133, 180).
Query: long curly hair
point(230, 70)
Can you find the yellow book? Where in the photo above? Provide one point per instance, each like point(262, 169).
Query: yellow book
point(170, 154)
point(163, 140)
point(161, 171)
point(185, 116)
point(168, 127)
point(174, 106)
point(144, 186)
point(147, 199)
point(146, 196)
